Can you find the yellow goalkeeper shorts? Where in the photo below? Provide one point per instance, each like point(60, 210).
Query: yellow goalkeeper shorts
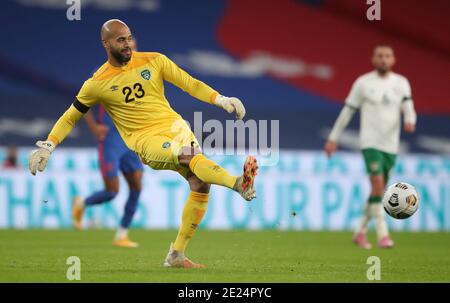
point(161, 151)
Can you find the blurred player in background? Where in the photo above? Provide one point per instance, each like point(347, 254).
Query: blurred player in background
point(382, 96)
point(114, 155)
point(130, 85)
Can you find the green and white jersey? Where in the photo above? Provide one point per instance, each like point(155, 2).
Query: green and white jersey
point(380, 101)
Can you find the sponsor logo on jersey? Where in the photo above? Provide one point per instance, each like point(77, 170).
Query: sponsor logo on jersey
point(146, 74)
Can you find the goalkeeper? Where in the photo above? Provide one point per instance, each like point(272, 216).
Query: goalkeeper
point(130, 86)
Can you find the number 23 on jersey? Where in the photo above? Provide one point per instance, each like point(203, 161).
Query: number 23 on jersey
point(133, 92)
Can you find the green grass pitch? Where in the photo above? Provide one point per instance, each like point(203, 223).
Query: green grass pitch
point(231, 256)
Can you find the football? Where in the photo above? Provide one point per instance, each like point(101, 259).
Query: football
point(401, 200)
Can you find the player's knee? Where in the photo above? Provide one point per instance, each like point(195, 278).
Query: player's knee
point(187, 153)
point(377, 183)
point(197, 185)
point(112, 184)
point(134, 180)
point(136, 186)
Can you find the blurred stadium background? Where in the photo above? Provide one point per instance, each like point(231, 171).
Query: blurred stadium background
point(292, 61)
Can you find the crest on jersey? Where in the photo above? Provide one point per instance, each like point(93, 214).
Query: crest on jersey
point(146, 74)
point(166, 144)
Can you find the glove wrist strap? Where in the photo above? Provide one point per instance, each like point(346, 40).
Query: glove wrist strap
point(48, 145)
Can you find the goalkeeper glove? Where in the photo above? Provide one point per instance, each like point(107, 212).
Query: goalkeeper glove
point(231, 105)
point(39, 157)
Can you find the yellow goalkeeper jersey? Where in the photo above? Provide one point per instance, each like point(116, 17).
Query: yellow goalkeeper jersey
point(133, 95)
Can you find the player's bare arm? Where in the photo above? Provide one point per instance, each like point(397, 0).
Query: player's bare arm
point(409, 115)
point(98, 130)
point(343, 119)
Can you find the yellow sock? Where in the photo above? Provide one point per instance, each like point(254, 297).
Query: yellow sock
point(193, 213)
point(210, 172)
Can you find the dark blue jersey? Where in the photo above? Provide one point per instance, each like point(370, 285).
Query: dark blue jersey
point(114, 155)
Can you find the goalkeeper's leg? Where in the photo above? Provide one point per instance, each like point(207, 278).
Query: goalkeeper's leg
point(203, 172)
point(211, 173)
point(193, 213)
